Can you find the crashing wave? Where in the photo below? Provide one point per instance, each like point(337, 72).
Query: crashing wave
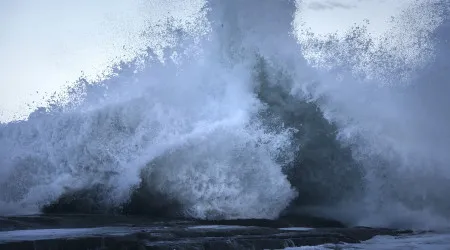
point(238, 118)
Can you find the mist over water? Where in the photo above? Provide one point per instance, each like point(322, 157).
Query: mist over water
point(233, 113)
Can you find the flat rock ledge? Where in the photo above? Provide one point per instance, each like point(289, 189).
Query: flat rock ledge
point(80, 232)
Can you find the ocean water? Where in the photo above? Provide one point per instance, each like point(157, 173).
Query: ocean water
point(432, 241)
point(235, 114)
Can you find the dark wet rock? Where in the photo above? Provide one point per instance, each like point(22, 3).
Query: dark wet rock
point(286, 221)
point(95, 220)
point(127, 232)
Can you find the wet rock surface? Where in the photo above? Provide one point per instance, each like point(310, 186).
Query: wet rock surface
point(128, 232)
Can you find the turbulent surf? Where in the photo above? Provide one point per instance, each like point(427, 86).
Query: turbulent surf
point(240, 112)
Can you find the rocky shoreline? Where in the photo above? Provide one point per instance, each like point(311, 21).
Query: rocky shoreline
point(129, 232)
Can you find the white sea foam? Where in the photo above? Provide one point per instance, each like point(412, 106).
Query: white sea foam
point(187, 122)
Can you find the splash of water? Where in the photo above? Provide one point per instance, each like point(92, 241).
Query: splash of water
point(229, 120)
point(190, 123)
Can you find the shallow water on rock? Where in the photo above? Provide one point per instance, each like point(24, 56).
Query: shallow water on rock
point(129, 232)
point(422, 241)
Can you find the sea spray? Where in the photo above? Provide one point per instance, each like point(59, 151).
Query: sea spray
point(236, 120)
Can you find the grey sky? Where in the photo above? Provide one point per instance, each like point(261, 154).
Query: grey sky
point(329, 5)
point(44, 45)
point(48, 43)
point(329, 16)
